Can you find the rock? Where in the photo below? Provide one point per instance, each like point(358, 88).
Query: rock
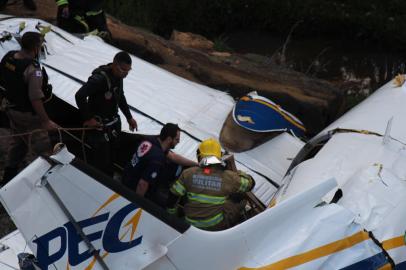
point(220, 54)
point(190, 40)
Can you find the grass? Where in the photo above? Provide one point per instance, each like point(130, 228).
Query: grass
point(220, 44)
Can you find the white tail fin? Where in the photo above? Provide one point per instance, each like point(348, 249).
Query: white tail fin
point(73, 218)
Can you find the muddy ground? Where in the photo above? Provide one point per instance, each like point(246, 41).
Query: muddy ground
point(6, 225)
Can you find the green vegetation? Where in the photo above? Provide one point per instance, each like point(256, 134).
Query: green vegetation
point(220, 44)
point(370, 21)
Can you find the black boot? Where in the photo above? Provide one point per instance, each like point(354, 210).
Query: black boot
point(9, 173)
point(3, 4)
point(30, 4)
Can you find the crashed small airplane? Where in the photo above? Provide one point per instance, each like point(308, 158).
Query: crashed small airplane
point(336, 202)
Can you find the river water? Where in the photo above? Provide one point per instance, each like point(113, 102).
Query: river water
point(358, 67)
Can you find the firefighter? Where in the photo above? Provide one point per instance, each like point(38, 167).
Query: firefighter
point(98, 101)
point(213, 195)
point(154, 166)
point(82, 16)
point(26, 90)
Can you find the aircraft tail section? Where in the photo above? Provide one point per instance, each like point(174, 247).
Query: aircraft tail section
point(73, 217)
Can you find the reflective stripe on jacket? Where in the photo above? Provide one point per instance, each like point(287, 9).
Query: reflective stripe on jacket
point(207, 191)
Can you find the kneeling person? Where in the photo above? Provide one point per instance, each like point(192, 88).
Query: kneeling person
point(211, 190)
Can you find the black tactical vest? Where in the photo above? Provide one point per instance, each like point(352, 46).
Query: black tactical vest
point(106, 102)
point(12, 79)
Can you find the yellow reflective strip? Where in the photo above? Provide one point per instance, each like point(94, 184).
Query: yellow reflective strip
point(82, 22)
point(93, 13)
point(284, 115)
point(172, 211)
point(62, 2)
point(204, 223)
point(394, 243)
point(244, 184)
point(178, 188)
point(202, 198)
point(315, 253)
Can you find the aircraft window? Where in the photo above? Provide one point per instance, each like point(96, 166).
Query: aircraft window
point(309, 150)
point(337, 196)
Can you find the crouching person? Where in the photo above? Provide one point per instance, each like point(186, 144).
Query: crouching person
point(154, 166)
point(212, 194)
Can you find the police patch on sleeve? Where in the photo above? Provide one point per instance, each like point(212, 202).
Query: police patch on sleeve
point(38, 73)
point(144, 148)
point(108, 95)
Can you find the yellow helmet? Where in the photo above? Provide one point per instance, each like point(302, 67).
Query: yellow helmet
point(210, 147)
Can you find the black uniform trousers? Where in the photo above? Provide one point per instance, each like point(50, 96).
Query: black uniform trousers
point(105, 145)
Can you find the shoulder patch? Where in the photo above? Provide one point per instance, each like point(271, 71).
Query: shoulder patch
point(38, 73)
point(144, 148)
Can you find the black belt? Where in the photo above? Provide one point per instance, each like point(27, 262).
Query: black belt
point(108, 121)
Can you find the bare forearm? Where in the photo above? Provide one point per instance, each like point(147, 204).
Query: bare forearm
point(180, 160)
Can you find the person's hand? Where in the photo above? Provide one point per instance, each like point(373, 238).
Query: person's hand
point(133, 124)
point(49, 125)
point(65, 11)
point(93, 123)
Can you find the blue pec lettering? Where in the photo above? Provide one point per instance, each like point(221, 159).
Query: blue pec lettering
point(70, 239)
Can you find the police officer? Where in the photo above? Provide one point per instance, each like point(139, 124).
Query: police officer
point(154, 166)
point(80, 16)
point(213, 195)
point(98, 101)
point(23, 80)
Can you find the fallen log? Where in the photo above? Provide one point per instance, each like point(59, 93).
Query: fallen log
point(316, 102)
